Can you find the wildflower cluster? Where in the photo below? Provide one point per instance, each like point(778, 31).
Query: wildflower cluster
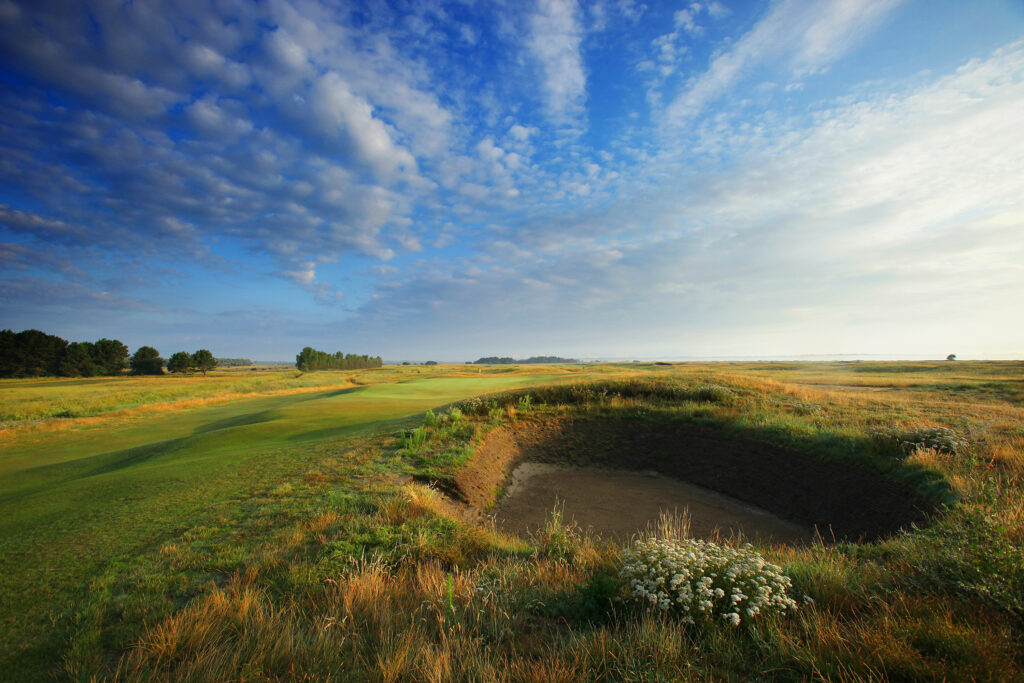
point(804, 407)
point(472, 406)
point(711, 393)
point(910, 438)
point(703, 580)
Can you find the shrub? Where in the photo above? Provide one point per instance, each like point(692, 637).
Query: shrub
point(711, 393)
point(586, 602)
point(414, 439)
point(910, 438)
point(969, 556)
point(702, 580)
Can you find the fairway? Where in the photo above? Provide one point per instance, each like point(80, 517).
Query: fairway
point(79, 505)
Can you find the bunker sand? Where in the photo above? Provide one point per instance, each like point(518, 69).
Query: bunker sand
point(616, 504)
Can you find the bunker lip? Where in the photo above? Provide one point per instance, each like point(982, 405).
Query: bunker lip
point(840, 500)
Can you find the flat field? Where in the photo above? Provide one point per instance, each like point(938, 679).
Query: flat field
point(249, 525)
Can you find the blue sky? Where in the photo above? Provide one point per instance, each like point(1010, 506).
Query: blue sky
point(447, 180)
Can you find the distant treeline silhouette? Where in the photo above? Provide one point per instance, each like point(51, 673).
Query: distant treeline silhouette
point(311, 359)
point(233, 362)
point(495, 360)
point(31, 353)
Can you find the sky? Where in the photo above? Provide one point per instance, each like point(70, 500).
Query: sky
point(448, 180)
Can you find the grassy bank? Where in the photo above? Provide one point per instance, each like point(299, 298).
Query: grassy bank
point(278, 534)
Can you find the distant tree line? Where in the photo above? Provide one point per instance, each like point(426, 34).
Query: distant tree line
point(311, 359)
point(31, 353)
point(233, 362)
point(495, 360)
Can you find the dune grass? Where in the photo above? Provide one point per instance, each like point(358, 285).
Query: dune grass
point(277, 535)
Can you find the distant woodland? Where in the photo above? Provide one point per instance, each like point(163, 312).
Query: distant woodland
point(495, 360)
point(310, 359)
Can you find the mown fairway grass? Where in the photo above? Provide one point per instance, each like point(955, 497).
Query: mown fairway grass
point(80, 503)
point(208, 530)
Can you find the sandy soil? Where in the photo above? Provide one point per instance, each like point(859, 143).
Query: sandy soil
point(617, 504)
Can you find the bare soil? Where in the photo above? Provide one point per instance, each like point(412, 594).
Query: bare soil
point(838, 500)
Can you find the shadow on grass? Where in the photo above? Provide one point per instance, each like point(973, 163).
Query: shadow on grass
point(261, 416)
point(57, 382)
point(27, 483)
point(301, 398)
point(343, 430)
point(237, 421)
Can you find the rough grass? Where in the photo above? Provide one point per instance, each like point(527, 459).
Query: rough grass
point(270, 537)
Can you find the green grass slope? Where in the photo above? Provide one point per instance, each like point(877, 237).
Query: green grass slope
point(75, 512)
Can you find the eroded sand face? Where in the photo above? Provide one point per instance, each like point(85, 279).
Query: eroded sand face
point(617, 504)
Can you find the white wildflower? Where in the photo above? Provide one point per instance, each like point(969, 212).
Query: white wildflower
point(695, 577)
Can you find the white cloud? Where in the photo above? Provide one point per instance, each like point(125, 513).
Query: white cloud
point(893, 223)
point(555, 37)
point(685, 20)
point(56, 63)
point(717, 10)
point(805, 34)
point(631, 9)
point(341, 113)
point(521, 133)
point(204, 61)
point(49, 229)
point(210, 119)
point(489, 151)
point(831, 34)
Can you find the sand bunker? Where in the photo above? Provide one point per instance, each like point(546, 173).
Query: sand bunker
point(602, 470)
point(615, 503)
